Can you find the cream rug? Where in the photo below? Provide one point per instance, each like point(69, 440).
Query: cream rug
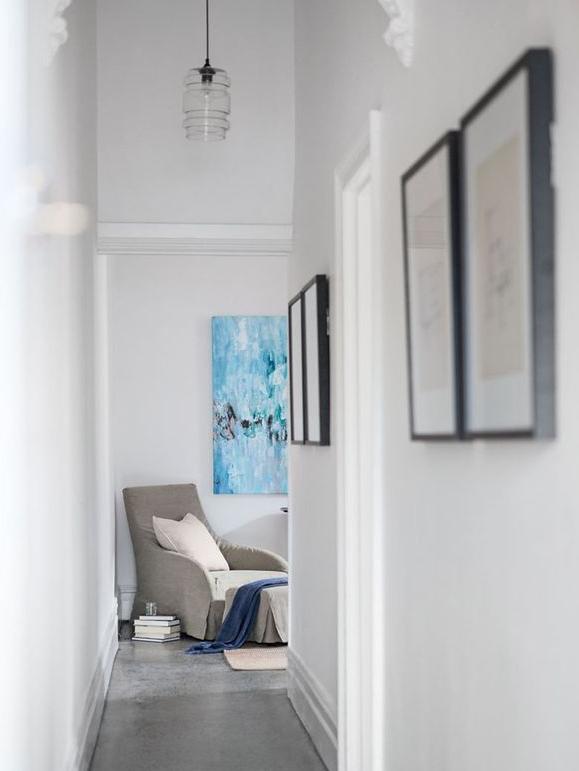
point(258, 657)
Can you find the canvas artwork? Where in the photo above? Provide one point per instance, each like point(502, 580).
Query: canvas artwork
point(250, 374)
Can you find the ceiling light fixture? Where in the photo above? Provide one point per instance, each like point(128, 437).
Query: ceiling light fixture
point(206, 101)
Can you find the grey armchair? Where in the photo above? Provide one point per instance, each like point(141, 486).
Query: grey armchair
point(181, 585)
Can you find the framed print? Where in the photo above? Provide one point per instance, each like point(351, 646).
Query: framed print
point(310, 364)
point(317, 361)
point(430, 210)
point(295, 325)
point(508, 261)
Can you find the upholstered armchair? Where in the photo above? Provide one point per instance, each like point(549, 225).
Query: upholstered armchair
point(179, 584)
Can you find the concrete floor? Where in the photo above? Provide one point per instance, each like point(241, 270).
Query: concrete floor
point(171, 712)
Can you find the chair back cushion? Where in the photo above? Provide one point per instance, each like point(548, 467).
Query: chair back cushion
point(167, 501)
point(191, 538)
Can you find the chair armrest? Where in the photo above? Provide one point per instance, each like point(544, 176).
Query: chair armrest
point(251, 558)
point(178, 585)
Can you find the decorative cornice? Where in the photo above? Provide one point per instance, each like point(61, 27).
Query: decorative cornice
point(207, 240)
point(400, 30)
point(57, 26)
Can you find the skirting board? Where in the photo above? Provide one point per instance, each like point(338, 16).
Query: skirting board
point(127, 594)
point(87, 729)
point(313, 707)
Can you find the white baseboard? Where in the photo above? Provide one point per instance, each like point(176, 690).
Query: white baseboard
point(127, 594)
point(89, 721)
point(314, 708)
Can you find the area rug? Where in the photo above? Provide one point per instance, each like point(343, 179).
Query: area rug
point(258, 658)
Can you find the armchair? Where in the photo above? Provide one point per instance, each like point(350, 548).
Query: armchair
point(179, 584)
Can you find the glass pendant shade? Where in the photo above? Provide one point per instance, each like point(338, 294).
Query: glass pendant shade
point(206, 103)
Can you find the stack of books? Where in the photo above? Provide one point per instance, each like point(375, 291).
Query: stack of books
point(157, 629)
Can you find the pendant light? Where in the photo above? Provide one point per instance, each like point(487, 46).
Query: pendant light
point(206, 101)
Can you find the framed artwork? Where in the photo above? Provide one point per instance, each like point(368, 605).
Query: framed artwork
point(430, 212)
point(310, 363)
point(295, 326)
point(508, 260)
point(317, 361)
point(250, 404)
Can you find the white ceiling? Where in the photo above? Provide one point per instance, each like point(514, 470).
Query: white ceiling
point(148, 171)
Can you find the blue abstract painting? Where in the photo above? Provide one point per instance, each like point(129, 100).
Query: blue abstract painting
point(250, 373)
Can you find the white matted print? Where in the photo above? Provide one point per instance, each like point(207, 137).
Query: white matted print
point(296, 370)
point(430, 222)
point(508, 260)
point(312, 363)
point(498, 296)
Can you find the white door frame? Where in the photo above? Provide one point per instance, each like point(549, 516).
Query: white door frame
point(359, 438)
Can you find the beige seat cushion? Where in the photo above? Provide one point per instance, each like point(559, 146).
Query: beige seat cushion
point(223, 585)
point(271, 622)
point(191, 538)
point(227, 579)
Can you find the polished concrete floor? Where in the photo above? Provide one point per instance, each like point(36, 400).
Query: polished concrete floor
point(171, 712)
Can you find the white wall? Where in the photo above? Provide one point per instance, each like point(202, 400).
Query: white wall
point(160, 331)
point(148, 171)
point(481, 538)
point(61, 532)
point(329, 40)
point(14, 541)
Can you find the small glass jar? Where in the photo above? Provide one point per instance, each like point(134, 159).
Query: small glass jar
point(150, 608)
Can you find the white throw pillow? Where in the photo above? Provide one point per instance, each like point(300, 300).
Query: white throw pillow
point(191, 538)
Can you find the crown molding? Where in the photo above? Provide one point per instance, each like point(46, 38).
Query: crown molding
point(399, 33)
point(116, 238)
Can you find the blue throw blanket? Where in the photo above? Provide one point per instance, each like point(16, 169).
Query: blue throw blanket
point(239, 621)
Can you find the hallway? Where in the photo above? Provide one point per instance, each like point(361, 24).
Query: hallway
point(289, 356)
point(165, 710)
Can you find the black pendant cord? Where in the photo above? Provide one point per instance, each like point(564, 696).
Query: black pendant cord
point(207, 33)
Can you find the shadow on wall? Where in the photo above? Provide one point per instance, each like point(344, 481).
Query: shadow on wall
point(269, 532)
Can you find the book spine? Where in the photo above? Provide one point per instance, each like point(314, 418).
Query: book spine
point(159, 629)
point(157, 639)
point(160, 625)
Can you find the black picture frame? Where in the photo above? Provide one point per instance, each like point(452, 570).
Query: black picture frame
point(435, 414)
point(499, 401)
point(310, 363)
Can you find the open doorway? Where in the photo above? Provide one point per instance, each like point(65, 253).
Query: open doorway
point(359, 436)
